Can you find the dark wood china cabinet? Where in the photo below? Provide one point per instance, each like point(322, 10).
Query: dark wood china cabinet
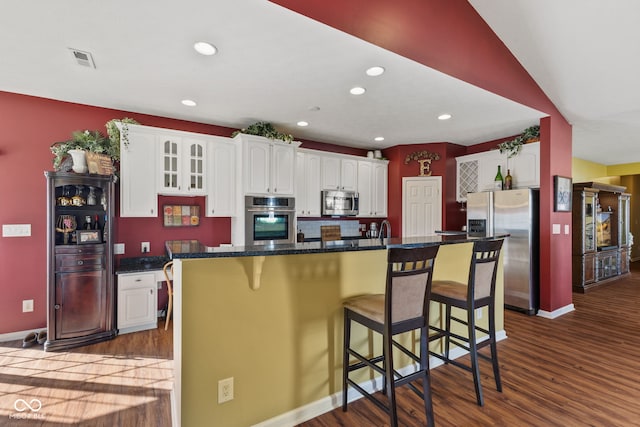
point(80, 284)
point(601, 244)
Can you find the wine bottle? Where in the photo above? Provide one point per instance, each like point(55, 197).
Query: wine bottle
point(508, 181)
point(498, 182)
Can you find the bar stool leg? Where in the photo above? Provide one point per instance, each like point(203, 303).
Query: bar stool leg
point(426, 378)
point(494, 347)
point(390, 380)
point(473, 353)
point(345, 360)
point(448, 333)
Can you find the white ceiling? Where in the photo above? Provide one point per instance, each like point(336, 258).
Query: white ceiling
point(585, 55)
point(275, 65)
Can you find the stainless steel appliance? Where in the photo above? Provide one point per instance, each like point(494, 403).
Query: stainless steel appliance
point(339, 203)
point(515, 212)
point(269, 220)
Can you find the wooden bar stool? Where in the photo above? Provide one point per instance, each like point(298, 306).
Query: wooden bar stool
point(402, 308)
point(478, 292)
point(168, 275)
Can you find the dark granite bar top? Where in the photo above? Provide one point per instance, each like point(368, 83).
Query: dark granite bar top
point(194, 249)
point(141, 264)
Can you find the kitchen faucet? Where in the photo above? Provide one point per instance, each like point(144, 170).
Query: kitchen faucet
point(385, 226)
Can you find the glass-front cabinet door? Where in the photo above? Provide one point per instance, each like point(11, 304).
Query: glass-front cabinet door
point(623, 220)
point(589, 214)
point(196, 161)
point(183, 166)
point(170, 166)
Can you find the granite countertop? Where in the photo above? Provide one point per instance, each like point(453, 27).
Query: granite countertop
point(194, 249)
point(141, 264)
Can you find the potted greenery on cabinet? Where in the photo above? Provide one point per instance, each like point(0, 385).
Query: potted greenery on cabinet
point(89, 141)
point(512, 147)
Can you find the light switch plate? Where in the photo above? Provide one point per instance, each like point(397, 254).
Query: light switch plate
point(118, 248)
point(566, 229)
point(555, 229)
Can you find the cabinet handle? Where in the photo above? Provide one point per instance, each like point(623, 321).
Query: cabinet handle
point(213, 210)
point(138, 280)
point(57, 306)
point(80, 262)
point(267, 189)
point(151, 210)
point(151, 291)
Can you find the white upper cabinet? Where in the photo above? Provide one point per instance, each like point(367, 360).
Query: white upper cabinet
point(182, 165)
point(525, 167)
point(372, 188)
point(269, 166)
point(477, 172)
point(488, 169)
point(308, 185)
point(221, 177)
point(339, 173)
point(138, 196)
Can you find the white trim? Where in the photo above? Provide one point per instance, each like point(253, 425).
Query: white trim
point(556, 313)
point(329, 403)
point(13, 336)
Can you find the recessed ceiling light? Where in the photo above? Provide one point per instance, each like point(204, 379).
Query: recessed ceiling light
point(188, 103)
point(379, 138)
point(444, 116)
point(375, 71)
point(302, 123)
point(204, 48)
point(357, 90)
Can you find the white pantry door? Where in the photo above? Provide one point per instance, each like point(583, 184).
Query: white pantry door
point(421, 205)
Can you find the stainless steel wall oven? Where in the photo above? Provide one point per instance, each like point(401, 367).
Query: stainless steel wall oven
point(269, 220)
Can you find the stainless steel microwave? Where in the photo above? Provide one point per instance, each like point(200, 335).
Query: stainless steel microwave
point(339, 203)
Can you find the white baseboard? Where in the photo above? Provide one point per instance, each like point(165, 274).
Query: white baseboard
point(329, 403)
point(556, 313)
point(13, 336)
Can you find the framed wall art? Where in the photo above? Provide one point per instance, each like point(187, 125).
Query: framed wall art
point(562, 193)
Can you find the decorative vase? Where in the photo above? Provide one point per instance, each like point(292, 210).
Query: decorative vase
point(79, 161)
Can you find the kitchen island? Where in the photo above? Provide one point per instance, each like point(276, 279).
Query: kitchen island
point(271, 319)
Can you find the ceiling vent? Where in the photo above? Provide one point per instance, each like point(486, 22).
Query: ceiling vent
point(83, 58)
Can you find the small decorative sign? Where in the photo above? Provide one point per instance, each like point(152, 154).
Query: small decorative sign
point(424, 158)
point(181, 215)
point(99, 163)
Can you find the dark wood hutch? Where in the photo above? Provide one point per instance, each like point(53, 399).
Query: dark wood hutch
point(80, 284)
point(601, 244)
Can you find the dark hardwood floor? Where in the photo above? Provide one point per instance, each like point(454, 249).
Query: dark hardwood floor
point(126, 381)
point(581, 369)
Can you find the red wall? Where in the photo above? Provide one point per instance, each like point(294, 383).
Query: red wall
point(451, 37)
point(445, 167)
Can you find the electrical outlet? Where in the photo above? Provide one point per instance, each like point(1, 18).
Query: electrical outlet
point(27, 305)
point(479, 313)
point(145, 247)
point(225, 390)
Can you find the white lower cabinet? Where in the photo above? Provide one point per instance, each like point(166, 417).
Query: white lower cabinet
point(137, 302)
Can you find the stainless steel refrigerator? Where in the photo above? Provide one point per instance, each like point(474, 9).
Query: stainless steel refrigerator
point(515, 212)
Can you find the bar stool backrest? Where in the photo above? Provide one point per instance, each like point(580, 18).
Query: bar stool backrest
point(409, 276)
point(484, 267)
